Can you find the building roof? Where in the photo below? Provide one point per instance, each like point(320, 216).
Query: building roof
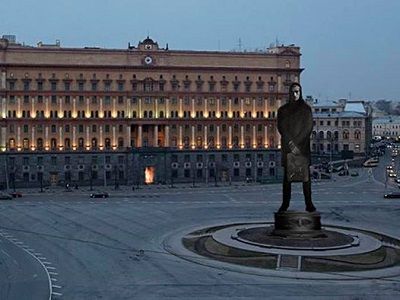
point(343, 114)
point(355, 107)
point(387, 120)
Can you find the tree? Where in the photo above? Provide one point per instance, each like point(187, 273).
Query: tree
point(384, 105)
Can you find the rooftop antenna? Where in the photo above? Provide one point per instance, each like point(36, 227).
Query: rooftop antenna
point(219, 45)
point(240, 44)
point(276, 41)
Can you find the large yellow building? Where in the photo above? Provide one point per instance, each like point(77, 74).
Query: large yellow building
point(141, 114)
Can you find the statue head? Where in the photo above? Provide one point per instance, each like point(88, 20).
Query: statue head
point(295, 92)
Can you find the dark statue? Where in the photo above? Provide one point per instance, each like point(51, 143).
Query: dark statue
point(295, 124)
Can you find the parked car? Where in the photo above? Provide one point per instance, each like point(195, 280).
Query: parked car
point(392, 195)
point(4, 196)
point(99, 195)
point(16, 194)
point(354, 174)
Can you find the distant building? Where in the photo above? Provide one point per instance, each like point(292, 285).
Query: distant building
point(142, 114)
point(386, 127)
point(342, 125)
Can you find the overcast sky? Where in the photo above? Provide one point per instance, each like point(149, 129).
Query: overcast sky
point(349, 47)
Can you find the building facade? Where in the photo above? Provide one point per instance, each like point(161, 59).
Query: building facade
point(386, 127)
point(141, 114)
point(341, 126)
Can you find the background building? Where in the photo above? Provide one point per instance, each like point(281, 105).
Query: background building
point(141, 114)
point(387, 127)
point(341, 126)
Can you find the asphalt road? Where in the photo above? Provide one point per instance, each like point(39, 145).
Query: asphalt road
point(112, 248)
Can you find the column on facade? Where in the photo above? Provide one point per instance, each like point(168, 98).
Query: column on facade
point(18, 136)
point(155, 137)
point(205, 108)
point(128, 107)
point(265, 108)
point(193, 110)
point(46, 104)
point(180, 137)
point(241, 136)
point(46, 137)
point(218, 112)
point(61, 137)
point(3, 81)
point(166, 137)
point(101, 139)
point(19, 110)
point(74, 113)
point(4, 107)
point(180, 113)
point(155, 108)
point(230, 108)
point(241, 108)
point(33, 129)
point(254, 137)
point(230, 136)
point(87, 112)
point(3, 140)
point(101, 111)
point(114, 109)
point(88, 136)
point(279, 83)
point(33, 110)
point(140, 113)
point(74, 137)
point(139, 137)
point(218, 138)
point(167, 115)
point(254, 113)
point(128, 135)
point(114, 136)
point(205, 137)
point(193, 137)
point(265, 136)
point(60, 108)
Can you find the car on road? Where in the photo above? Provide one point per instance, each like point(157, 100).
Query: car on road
point(392, 195)
point(16, 194)
point(343, 173)
point(397, 180)
point(354, 174)
point(99, 195)
point(4, 196)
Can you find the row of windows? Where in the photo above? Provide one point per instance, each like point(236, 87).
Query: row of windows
point(198, 173)
point(335, 135)
point(120, 128)
point(26, 160)
point(147, 84)
point(80, 114)
point(94, 143)
point(94, 159)
point(346, 123)
point(146, 100)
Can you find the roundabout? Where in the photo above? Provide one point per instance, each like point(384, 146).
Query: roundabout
point(336, 252)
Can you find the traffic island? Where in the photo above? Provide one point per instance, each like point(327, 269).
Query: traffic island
point(336, 252)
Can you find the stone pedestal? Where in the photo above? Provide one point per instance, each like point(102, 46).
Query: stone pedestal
point(298, 224)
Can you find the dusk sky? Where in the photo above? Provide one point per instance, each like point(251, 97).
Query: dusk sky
point(349, 47)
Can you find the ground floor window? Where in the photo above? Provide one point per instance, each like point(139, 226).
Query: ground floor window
point(235, 172)
point(186, 173)
point(248, 171)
